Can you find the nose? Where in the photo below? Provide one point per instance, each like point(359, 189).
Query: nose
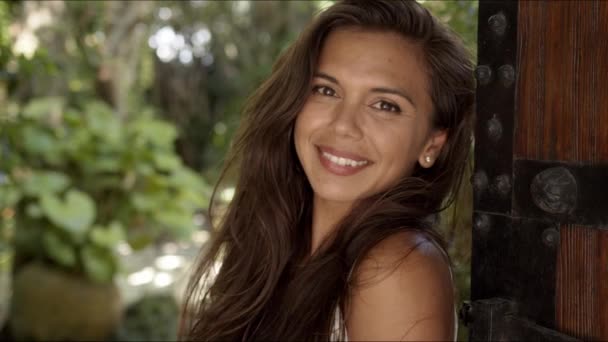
point(347, 121)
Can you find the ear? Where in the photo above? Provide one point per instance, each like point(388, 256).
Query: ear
point(432, 148)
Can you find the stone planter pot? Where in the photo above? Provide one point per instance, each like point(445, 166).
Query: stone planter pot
point(50, 305)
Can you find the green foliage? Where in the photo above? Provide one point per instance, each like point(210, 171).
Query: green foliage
point(5, 47)
point(81, 180)
point(460, 16)
point(74, 215)
point(152, 318)
point(58, 249)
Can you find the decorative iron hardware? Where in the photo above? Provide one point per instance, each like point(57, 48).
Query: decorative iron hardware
point(502, 185)
point(483, 73)
point(496, 74)
point(506, 75)
point(561, 192)
point(551, 237)
point(482, 223)
point(480, 182)
point(498, 23)
point(554, 190)
point(494, 129)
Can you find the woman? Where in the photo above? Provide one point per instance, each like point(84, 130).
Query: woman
point(359, 135)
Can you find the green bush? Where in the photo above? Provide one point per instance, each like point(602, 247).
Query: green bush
point(82, 180)
point(152, 318)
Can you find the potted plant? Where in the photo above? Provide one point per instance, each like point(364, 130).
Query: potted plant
point(81, 180)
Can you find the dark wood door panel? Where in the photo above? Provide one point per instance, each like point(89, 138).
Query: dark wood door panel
point(562, 86)
point(582, 287)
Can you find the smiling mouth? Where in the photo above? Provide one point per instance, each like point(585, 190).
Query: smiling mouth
point(341, 163)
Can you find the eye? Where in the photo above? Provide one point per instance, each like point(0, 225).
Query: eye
point(387, 106)
point(323, 90)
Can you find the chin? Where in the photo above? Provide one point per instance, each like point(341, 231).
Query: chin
point(336, 193)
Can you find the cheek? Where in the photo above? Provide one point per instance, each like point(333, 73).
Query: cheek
point(307, 123)
point(303, 129)
point(300, 130)
point(395, 142)
point(399, 150)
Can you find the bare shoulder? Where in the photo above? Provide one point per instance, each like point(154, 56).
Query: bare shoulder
point(402, 291)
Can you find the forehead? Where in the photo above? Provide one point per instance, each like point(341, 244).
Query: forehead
point(386, 47)
point(383, 58)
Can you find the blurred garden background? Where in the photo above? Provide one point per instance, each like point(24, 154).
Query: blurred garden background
point(114, 120)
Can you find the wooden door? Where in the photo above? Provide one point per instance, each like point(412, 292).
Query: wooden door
point(540, 232)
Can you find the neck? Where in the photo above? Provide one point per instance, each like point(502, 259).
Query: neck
point(325, 217)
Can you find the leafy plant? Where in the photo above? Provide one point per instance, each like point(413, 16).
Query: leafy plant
point(152, 318)
point(81, 180)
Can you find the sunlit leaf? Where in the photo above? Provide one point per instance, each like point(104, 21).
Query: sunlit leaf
point(166, 161)
point(41, 182)
point(155, 131)
point(144, 169)
point(103, 122)
point(38, 141)
point(74, 214)
point(193, 200)
point(9, 195)
point(148, 201)
point(106, 164)
point(77, 141)
point(140, 238)
point(157, 182)
point(33, 210)
point(41, 108)
point(99, 264)
point(59, 249)
point(186, 178)
point(108, 236)
point(179, 223)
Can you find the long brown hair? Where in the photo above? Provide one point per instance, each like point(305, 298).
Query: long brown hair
point(268, 287)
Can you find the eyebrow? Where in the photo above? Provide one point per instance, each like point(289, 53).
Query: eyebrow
point(384, 90)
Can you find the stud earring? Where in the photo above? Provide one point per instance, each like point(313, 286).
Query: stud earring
point(427, 159)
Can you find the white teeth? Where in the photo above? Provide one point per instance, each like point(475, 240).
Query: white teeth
point(343, 161)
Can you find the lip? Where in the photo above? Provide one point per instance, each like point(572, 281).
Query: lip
point(339, 169)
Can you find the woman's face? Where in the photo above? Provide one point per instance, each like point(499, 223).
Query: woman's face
point(366, 122)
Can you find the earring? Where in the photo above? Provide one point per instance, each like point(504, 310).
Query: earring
point(427, 159)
